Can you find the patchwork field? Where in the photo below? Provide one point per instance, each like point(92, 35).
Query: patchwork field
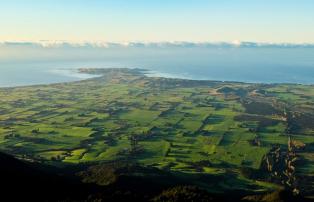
point(183, 126)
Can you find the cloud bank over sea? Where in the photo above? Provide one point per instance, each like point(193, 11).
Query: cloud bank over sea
point(179, 44)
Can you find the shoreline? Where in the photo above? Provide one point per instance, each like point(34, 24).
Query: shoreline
point(83, 74)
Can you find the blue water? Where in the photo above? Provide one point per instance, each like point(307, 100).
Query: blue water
point(260, 65)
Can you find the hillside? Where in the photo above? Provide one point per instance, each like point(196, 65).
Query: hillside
point(220, 136)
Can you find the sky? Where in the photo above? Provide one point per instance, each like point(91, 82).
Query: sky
point(276, 21)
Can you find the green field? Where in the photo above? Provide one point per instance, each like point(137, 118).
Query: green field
point(184, 126)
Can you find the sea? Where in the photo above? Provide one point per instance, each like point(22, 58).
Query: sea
point(254, 65)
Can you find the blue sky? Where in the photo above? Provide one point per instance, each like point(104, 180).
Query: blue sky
point(163, 20)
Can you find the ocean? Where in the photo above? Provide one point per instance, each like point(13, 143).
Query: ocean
point(257, 65)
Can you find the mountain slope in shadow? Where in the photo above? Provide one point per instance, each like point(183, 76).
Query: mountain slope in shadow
point(25, 181)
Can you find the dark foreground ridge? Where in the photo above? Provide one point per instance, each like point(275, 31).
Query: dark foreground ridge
point(24, 181)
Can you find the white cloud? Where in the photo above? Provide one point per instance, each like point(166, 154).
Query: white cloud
point(178, 44)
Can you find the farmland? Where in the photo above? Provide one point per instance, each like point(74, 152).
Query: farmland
point(210, 128)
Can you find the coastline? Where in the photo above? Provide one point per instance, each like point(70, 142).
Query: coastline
point(82, 74)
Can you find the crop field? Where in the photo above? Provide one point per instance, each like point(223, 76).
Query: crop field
point(184, 126)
